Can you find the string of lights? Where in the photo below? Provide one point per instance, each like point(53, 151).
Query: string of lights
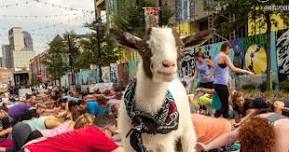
point(45, 31)
point(36, 16)
point(56, 24)
point(16, 4)
point(62, 7)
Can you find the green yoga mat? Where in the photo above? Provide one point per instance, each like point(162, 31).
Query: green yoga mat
point(216, 102)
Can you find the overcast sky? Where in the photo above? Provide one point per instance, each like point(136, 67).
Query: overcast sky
point(43, 29)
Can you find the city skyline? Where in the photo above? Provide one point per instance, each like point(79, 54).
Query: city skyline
point(44, 19)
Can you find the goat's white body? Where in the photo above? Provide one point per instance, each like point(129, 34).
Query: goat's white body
point(149, 98)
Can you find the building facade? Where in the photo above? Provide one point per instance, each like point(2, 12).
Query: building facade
point(21, 59)
point(16, 38)
point(37, 68)
point(28, 42)
point(20, 49)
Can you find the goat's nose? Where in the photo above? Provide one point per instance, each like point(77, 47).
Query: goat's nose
point(169, 63)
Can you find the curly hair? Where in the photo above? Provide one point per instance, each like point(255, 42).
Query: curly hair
point(235, 96)
point(257, 135)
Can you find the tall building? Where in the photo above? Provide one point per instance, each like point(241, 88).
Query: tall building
point(28, 42)
point(16, 38)
point(22, 58)
point(20, 49)
point(7, 58)
point(20, 40)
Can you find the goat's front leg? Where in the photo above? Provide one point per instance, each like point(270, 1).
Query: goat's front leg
point(189, 139)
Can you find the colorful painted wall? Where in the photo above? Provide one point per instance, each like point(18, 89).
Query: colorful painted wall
point(186, 28)
point(249, 53)
point(257, 26)
point(282, 46)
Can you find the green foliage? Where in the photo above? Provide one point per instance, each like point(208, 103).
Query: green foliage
point(244, 9)
point(131, 18)
point(55, 58)
point(284, 85)
point(72, 49)
point(91, 53)
point(35, 81)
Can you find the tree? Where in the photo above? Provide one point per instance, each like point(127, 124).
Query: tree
point(72, 49)
point(132, 18)
point(244, 10)
point(91, 53)
point(55, 59)
point(34, 80)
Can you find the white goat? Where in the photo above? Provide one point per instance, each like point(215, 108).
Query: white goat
point(157, 73)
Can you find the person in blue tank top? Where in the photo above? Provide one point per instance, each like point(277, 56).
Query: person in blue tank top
point(223, 64)
point(204, 71)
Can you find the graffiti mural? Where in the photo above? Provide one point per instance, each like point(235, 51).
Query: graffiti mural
point(255, 54)
point(105, 74)
point(238, 59)
point(93, 76)
point(132, 65)
point(256, 59)
point(187, 65)
point(282, 46)
point(113, 73)
point(65, 81)
point(85, 77)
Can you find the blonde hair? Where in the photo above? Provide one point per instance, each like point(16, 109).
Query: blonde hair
point(83, 120)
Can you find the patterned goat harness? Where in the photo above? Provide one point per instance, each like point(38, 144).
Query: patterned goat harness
point(163, 122)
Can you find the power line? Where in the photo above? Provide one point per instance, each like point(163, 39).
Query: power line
point(16, 4)
point(56, 24)
point(62, 7)
point(36, 16)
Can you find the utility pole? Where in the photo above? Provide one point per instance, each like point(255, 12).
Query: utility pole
point(97, 24)
point(70, 59)
point(160, 12)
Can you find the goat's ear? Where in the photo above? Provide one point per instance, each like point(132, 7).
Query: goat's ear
point(125, 39)
point(198, 38)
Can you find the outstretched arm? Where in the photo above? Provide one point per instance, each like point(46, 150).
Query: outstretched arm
point(224, 140)
point(235, 69)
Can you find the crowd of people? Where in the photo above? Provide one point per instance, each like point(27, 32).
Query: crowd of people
point(260, 124)
point(53, 120)
point(56, 120)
